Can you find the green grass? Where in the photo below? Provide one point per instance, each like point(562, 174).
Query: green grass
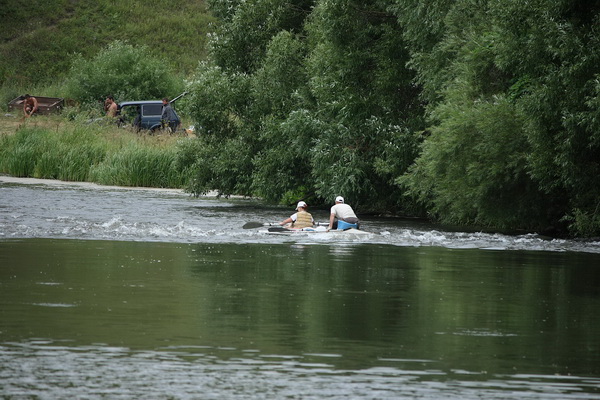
point(100, 154)
point(37, 41)
point(136, 165)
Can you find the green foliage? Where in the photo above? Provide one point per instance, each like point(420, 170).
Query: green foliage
point(186, 155)
point(557, 50)
point(218, 101)
point(282, 168)
point(122, 70)
point(70, 156)
point(7, 93)
point(306, 106)
point(19, 152)
point(279, 85)
point(473, 169)
point(424, 28)
point(365, 101)
point(585, 223)
point(37, 40)
point(476, 111)
point(222, 165)
point(475, 59)
point(133, 165)
point(88, 153)
point(42, 153)
point(240, 41)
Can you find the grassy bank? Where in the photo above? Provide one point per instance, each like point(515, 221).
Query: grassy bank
point(38, 41)
point(52, 148)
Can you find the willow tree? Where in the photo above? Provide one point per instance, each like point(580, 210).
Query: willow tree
point(224, 91)
point(512, 93)
point(555, 59)
point(367, 102)
point(327, 105)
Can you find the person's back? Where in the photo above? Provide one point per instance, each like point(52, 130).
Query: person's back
point(342, 216)
point(300, 219)
point(303, 220)
point(343, 211)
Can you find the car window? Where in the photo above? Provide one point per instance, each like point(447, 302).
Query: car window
point(151, 109)
point(128, 113)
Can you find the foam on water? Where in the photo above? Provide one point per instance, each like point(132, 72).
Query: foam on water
point(31, 208)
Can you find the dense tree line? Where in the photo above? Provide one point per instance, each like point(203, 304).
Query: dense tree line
point(470, 111)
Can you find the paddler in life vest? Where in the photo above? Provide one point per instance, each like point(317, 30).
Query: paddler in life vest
point(342, 216)
point(301, 219)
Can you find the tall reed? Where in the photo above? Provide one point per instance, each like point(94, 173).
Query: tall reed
point(19, 152)
point(135, 165)
point(101, 154)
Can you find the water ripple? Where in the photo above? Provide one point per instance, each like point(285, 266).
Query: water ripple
point(44, 369)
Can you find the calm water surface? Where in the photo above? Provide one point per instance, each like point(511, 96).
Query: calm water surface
point(108, 293)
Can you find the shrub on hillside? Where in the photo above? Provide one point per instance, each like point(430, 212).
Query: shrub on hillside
point(124, 71)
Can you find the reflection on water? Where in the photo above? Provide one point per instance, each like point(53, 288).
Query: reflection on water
point(99, 371)
point(122, 319)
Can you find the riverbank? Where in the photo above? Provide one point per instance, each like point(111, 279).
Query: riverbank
point(84, 185)
point(90, 185)
point(52, 147)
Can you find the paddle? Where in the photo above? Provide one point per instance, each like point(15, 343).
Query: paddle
point(252, 225)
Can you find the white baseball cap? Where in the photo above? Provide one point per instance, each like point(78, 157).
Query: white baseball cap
point(340, 199)
point(301, 204)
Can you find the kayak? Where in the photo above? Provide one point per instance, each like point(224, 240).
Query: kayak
point(318, 229)
point(276, 229)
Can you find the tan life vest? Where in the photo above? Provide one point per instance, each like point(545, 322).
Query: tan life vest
point(303, 220)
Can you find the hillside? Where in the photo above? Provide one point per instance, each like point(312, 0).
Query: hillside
point(38, 41)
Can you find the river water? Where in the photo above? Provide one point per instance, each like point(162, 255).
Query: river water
point(115, 293)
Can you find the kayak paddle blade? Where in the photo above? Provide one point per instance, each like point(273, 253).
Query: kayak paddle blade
point(252, 225)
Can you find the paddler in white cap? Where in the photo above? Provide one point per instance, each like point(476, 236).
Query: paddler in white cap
point(300, 219)
point(342, 216)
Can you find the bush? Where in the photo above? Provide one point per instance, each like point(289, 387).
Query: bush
point(473, 169)
point(282, 170)
point(124, 71)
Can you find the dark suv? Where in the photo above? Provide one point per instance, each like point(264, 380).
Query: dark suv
point(144, 114)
